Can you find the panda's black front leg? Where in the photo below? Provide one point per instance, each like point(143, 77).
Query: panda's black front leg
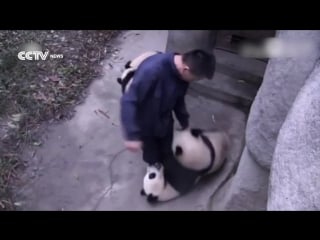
point(152, 199)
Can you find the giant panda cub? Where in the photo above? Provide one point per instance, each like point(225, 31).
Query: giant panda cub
point(196, 153)
point(130, 67)
point(168, 180)
point(201, 150)
point(156, 186)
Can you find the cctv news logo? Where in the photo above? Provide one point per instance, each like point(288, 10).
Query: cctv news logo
point(33, 52)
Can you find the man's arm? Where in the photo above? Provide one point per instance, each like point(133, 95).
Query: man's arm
point(141, 85)
point(180, 110)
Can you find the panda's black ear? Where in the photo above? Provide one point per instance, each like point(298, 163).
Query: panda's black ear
point(196, 132)
point(178, 151)
point(127, 64)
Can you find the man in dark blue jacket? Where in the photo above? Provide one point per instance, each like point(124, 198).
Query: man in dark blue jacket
point(157, 90)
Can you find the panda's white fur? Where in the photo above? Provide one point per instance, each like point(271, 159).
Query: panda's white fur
point(135, 63)
point(156, 187)
point(130, 67)
point(193, 149)
point(126, 79)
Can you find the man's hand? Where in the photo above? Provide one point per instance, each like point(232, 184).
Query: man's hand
point(133, 146)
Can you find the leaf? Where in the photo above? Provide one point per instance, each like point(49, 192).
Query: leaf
point(103, 113)
point(37, 143)
point(18, 204)
point(54, 78)
point(16, 117)
point(12, 125)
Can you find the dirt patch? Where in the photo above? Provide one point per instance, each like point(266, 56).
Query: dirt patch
point(34, 92)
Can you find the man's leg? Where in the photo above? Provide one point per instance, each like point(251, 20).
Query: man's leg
point(165, 144)
point(151, 153)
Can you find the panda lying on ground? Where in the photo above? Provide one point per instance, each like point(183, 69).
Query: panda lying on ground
point(130, 68)
point(196, 153)
point(201, 150)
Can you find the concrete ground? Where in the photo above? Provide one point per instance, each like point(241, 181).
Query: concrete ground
point(83, 165)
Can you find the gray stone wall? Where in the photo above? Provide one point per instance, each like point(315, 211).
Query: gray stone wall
point(295, 171)
point(282, 81)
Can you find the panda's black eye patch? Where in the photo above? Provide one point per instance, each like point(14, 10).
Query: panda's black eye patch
point(178, 151)
point(152, 175)
point(196, 132)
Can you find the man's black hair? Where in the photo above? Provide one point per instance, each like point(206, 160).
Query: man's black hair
point(200, 62)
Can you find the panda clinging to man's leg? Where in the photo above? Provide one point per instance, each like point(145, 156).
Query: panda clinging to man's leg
point(196, 153)
point(156, 186)
point(167, 181)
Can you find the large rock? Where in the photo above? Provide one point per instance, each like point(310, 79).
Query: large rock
point(295, 172)
point(246, 190)
point(282, 81)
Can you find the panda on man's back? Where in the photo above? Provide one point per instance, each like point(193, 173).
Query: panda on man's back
point(129, 69)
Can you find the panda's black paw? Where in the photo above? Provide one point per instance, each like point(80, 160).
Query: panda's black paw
point(152, 199)
point(142, 192)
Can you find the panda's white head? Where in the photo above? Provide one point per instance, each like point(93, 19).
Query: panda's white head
point(153, 182)
point(190, 150)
